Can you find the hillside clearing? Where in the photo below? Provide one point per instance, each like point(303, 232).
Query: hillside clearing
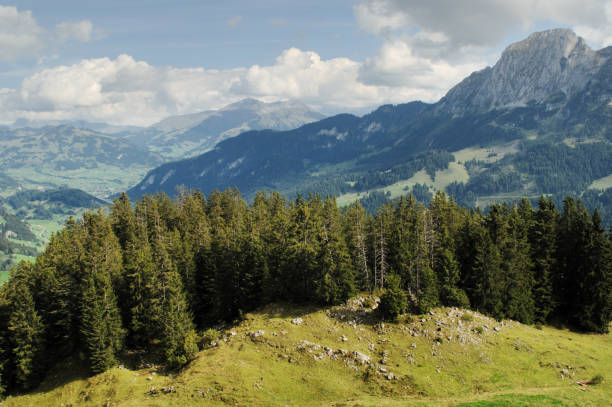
point(345, 356)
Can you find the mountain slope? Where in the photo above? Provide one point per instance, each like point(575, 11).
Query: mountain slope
point(548, 91)
point(311, 365)
point(189, 135)
point(54, 156)
point(544, 64)
point(249, 162)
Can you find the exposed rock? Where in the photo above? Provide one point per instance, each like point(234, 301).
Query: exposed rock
point(309, 346)
point(297, 321)
point(361, 358)
point(258, 333)
point(544, 64)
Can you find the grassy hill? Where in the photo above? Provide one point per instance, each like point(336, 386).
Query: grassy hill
point(344, 356)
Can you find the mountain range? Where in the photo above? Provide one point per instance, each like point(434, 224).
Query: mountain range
point(184, 136)
point(538, 122)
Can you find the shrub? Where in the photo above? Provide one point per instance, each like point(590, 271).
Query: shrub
point(455, 297)
point(479, 330)
point(393, 303)
point(209, 336)
point(597, 379)
point(467, 317)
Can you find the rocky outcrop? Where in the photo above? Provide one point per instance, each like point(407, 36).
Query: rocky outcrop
point(549, 64)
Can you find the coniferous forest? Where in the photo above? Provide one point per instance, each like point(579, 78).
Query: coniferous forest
point(149, 275)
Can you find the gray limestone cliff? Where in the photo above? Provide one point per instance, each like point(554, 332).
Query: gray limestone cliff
point(546, 64)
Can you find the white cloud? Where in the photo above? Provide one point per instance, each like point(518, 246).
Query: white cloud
point(475, 23)
point(22, 37)
point(428, 46)
point(79, 31)
point(127, 91)
point(395, 65)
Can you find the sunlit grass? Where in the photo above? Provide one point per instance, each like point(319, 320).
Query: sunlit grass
point(518, 366)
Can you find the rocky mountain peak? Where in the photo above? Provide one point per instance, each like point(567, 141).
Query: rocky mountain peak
point(542, 65)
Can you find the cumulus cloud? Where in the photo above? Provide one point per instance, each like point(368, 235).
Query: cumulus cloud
point(396, 64)
point(22, 37)
point(473, 23)
point(127, 91)
point(430, 45)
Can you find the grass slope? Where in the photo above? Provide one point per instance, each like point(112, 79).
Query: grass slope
point(507, 364)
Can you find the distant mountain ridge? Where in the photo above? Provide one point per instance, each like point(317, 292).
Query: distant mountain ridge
point(549, 90)
point(188, 135)
point(99, 127)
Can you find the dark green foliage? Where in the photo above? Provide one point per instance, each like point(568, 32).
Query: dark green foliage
point(393, 302)
point(147, 275)
point(25, 332)
point(69, 197)
point(17, 226)
point(101, 328)
point(543, 242)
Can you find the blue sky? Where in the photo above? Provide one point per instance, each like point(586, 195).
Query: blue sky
point(136, 62)
point(209, 33)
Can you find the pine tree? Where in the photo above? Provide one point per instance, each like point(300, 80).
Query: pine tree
point(572, 252)
point(483, 279)
point(123, 220)
point(177, 338)
point(409, 255)
point(356, 235)
point(301, 268)
point(194, 229)
point(140, 281)
point(26, 331)
point(336, 281)
point(543, 243)
point(381, 231)
point(592, 310)
point(516, 263)
point(101, 330)
point(444, 224)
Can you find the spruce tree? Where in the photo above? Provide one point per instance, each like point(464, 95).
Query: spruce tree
point(572, 251)
point(336, 281)
point(592, 310)
point(543, 243)
point(177, 338)
point(101, 330)
point(356, 236)
point(25, 333)
point(444, 224)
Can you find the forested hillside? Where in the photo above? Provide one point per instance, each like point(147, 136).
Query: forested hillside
point(148, 277)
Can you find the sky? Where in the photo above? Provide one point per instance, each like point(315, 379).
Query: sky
point(136, 62)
